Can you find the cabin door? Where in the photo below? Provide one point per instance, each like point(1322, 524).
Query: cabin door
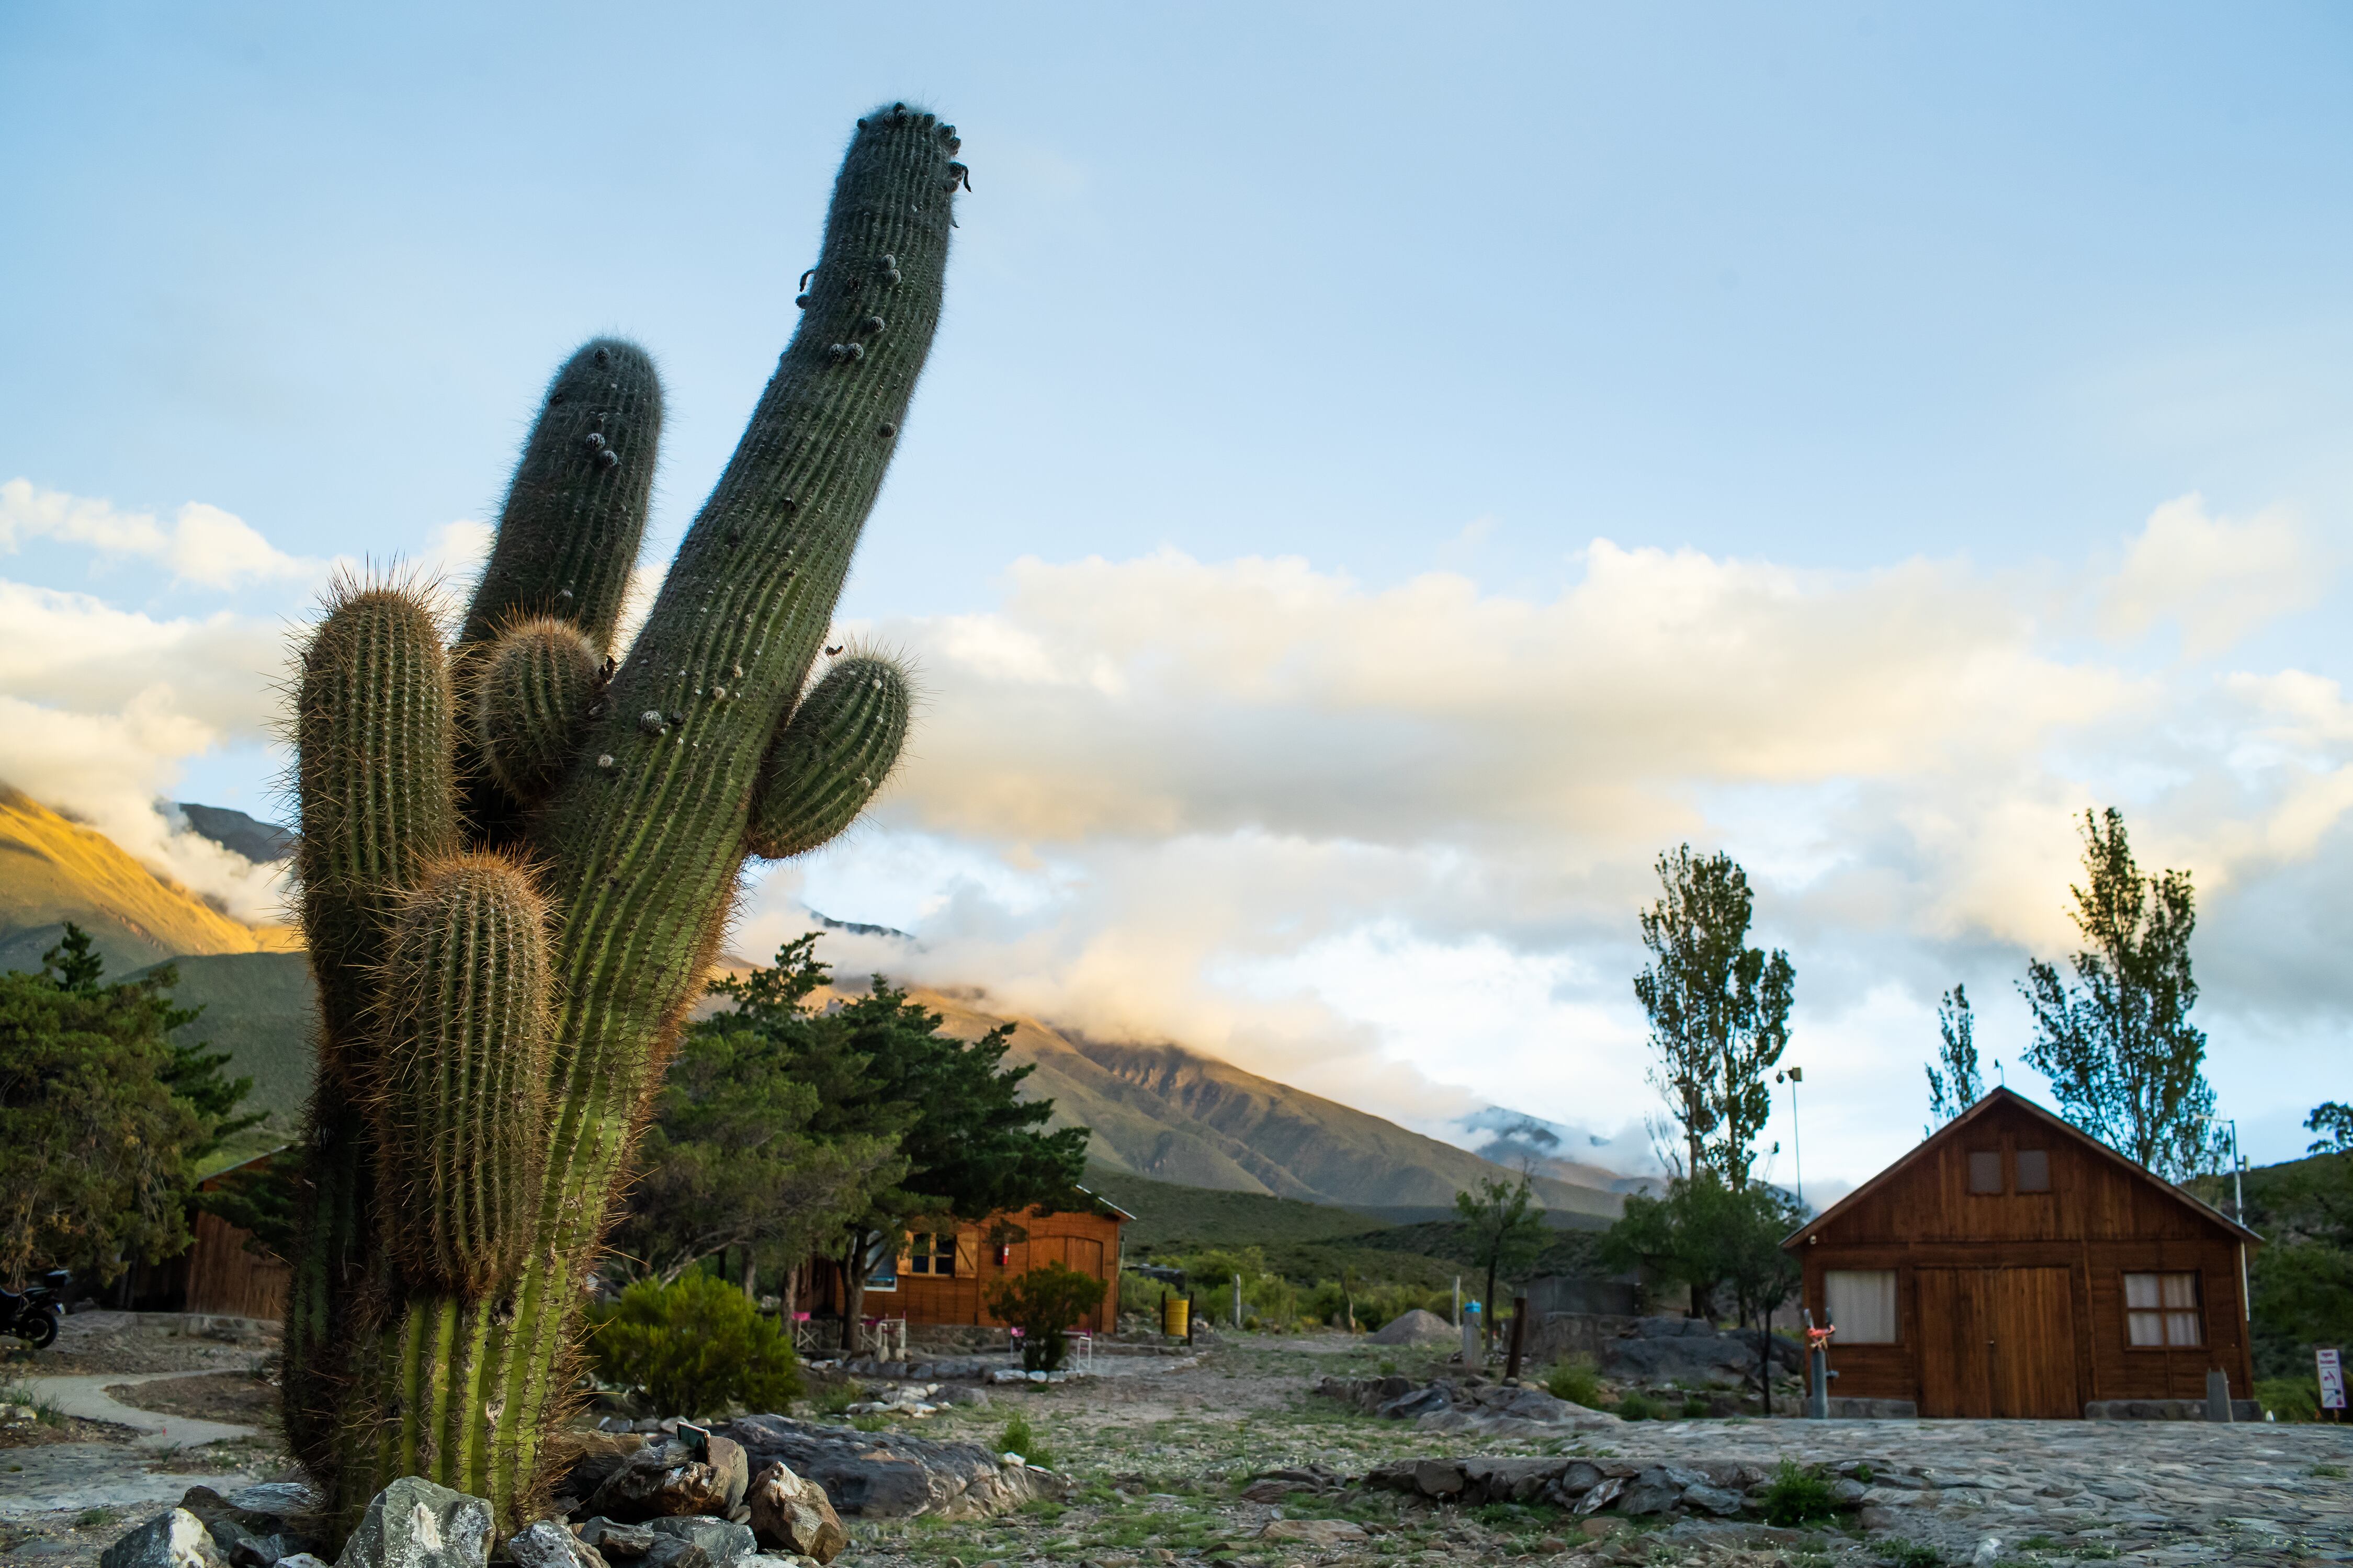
point(1084, 1252)
point(1996, 1342)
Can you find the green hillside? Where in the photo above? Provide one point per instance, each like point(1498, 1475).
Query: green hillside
point(258, 1007)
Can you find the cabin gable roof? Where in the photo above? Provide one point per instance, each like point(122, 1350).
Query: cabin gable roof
point(1991, 1106)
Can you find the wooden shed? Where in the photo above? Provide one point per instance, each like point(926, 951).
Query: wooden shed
point(946, 1276)
point(2011, 1266)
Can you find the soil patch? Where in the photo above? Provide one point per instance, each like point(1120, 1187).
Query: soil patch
point(238, 1397)
point(64, 1429)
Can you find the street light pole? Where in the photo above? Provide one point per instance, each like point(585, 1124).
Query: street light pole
point(1793, 1076)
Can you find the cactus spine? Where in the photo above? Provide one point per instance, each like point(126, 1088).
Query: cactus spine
point(505, 967)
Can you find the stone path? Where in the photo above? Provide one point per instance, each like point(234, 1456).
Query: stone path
point(85, 1395)
point(69, 1477)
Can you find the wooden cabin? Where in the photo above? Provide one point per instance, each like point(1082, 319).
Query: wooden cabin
point(945, 1277)
point(2011, 1266)
point(217, 1274)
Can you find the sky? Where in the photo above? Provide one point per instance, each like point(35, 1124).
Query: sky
point(1386, 473)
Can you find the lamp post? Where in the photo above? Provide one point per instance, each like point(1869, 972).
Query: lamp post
point(1793, 1076)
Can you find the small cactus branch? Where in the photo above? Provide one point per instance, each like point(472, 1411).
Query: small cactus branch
point(575, 511)
point(460, 1096)
point(533, 691)
point(833, 755)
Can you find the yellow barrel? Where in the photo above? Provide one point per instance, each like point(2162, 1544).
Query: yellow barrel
point(1176, 1316)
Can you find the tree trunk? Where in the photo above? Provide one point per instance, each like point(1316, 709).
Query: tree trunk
point(1487, 1307)
point(751, 1273)
point(853, 1289)
point(789, 1298)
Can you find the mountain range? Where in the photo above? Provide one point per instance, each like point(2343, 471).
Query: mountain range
point(1163, 1110)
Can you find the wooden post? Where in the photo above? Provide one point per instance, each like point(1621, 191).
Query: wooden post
point(1519, 1335)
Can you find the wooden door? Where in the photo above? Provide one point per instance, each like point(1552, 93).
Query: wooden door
point(1084, 1252)
point(1996, 1342)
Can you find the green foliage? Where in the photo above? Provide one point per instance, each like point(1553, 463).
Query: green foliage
point(1954, 1083)
point(694, 1347)
point(2333, 1119)
point(2117, 1044)
point(1909, 1554)
point(1045, 1304)
point(732, 1159)
point(1694, 1406)
point(1636, 1406)
point(1016, 1437)
point(101, 1116)
point(2302, 1281)
point(2290, 1398)
point(1577, 1380)
point(1719, 1010)
point(261, 1200)
point(1796, 1497)
point(1506, 1233)
point(1710, 1234)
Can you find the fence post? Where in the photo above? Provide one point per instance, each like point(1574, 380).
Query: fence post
point(1519, 1335)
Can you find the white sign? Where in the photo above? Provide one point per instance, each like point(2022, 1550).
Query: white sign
point(2332, 1381)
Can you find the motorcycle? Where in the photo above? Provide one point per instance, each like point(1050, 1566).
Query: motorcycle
point(33, 1315)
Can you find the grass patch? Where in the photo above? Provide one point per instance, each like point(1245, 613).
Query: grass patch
point(1019, 1437)
point(1796, 1497)
point(1909, 1554)
point(1637, 1407)
point(2327, 1472)
point(1577, 1380)
point(46, 1413)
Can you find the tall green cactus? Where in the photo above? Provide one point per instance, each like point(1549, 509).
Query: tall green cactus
point(517, 858)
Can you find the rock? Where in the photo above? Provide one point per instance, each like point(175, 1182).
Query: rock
point(1267, 1491)
point(1420, 1402)
point(1605, 1492)
point(300, 1560)
point(892, 1474)
point(1417, 1328)
point(548, 1544)
point(413, 1523)
point(1438, 1477)
point(253, 1527)
point(612, 1539)
point(1717, 1500)
point(173, 1540)
point(792, 1514)
point(679, 1477)
point(721, 1541)
point(1648, 1498)
point(1324, 1533)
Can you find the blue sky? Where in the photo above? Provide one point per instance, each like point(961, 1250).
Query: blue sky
point(1829, 321)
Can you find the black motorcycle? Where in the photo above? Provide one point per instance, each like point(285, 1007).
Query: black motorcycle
point(33, 1317)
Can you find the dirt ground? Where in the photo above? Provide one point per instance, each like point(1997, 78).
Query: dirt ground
point(244, 1398)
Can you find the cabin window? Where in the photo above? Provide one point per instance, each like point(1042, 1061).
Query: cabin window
point(2034, 1170)
point(932, 1253)
point(882, 1265)
point(1861, 1305)
point(1985, 1170)
point(2161, 1310)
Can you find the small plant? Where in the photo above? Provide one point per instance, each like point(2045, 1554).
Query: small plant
point(1863, 1473)
point(2327, 1472)
point(1694, 1406)
point(1576, 1380)
point(1045, 1304)
point(1388, 1366)
point(93, 1518)
point(693, 1348)
point(1637, 1407)
point(1018, 1438)
point(1795, 1497)
point(1909, 1554)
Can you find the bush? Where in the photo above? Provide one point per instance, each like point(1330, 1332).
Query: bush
point(1044, 1304)
point(1795, 1497)
point(1018, 1439)
point(692, 1348)
point(1694, 1406)
point(1637, 1407)
point(2290, 1398)
point(1577, 1381)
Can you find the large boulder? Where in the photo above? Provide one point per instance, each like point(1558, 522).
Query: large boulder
point(173, 1540)
point(1417, 1328)
point(693, 1473)
point(792, 1513)
point(894, 1475)
point(413, 1523)
point(548, 1544)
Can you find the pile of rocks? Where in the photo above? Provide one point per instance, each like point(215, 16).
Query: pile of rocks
point(1682, 1353)
point(253, 1527)
point(1468, 1404)
point(896, 1475)
point(1723, 1489)
point(972, 1368)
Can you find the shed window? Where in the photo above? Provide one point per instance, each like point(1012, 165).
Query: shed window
point(2034, 1170)
point(932, 1253)
point(2161, 1310)
point(1985, 1170)
point(1861, 1303)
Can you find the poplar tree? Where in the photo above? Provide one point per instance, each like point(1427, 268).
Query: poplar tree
point(1959, 1085)
point(2115, 1041)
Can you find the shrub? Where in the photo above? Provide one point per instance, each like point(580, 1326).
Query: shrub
point(1018, 1438)
point(1694, 1406)
point(1909, 1554)
point(693, 1348)
point(1637, 1407)
point(1044, 1304)
point(2290, 1398)
point(1577, 1381)
point(1795, 1497)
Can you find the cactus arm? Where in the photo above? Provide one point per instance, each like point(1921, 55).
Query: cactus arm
point(373, 728)
point(534, 688)
point(830, 758)
point(575, 510)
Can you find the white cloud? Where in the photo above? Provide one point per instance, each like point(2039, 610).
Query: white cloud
point(2217, 578)
point(204, 545)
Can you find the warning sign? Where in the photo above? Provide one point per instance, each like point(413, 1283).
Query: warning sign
point(2332, 1381)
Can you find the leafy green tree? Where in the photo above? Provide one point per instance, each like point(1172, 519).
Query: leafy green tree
point(101, 1117)
point(1959, 1085)
point(1046, 1303)
point(694, 1347)
point(1716, 1238)
point(2334, 1121)
point(1719, 1010)
point(1507, 1231)
point(2117, 1044)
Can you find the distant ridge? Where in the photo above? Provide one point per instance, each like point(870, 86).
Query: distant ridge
point(263, 843)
